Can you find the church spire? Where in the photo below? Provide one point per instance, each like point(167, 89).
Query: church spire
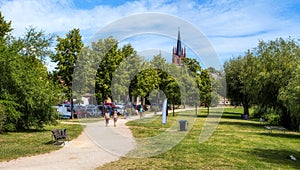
point(178, 48)
point(179, 53)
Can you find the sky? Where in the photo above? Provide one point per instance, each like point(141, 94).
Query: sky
point(228, 27)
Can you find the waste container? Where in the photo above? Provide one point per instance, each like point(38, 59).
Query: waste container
point(182, 125)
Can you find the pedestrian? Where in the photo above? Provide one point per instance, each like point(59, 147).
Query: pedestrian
point(107, 117)
point(141, 111)
point(115, 118)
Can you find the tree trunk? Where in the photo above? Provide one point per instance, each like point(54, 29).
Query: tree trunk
point(245, 103)
point(196, 110)
point(246, 110)
point(285, 118)
point(72, 108)
point(207, 109)
point(173, 109)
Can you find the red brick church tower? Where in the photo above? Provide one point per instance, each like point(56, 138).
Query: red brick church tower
point(179, 53)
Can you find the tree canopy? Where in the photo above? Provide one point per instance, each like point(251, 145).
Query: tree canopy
point(265, 77)
point(27, 93)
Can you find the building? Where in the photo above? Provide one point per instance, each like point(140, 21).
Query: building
point(179, 53)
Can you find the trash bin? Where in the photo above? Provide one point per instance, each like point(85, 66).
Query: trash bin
point(182, 125)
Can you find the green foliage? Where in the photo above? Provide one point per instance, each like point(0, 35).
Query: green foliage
point(272, 118)
point(109, 57)
point(290, 96)
point(67, 50)
point(36, 43)
point(5, 28)
point(266, 77)
point(239, 73)
point(26, 92)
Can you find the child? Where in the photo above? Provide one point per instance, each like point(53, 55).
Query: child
point(106, 116)
point(115, 118)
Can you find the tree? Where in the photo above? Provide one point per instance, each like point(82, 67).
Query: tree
point(110, 57)
point(67, 51)
point(26, 92)
point(195, 70)
point(290, 96)
point(36, 43)
point(238, 74)
point(265, 77)
point(125, 73)
point(8, 103)
point(205, 89)
point(276, 68)
point(172, 87)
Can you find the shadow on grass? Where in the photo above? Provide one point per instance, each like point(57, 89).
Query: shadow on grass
point(277, 156)
point(202, 115)
point(33, 130)
point(246, 123)
point(231, 115)
point(226, 115)
point(281, 135)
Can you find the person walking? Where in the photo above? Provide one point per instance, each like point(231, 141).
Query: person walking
point(107, 117)
point(115, 118)
point(141, 111)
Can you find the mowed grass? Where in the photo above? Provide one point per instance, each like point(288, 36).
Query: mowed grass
point(236, 144)
point(18, 144)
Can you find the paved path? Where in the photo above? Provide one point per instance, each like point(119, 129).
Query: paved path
point(96, 146)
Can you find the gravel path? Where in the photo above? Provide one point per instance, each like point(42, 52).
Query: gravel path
point(96, 146)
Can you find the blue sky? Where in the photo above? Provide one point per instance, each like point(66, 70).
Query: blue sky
point(230, 26)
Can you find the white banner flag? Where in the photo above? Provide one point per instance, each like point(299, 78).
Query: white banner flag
point(164, 112)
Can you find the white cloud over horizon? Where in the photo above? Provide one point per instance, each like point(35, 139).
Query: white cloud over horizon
point(231, 26)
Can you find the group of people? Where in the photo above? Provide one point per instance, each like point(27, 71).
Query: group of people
point(115, 116)
point(107, 118)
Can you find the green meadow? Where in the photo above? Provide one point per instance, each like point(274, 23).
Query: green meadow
point(34, 142)
point(235, 144)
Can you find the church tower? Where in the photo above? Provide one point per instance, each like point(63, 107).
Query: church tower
point(179, 53)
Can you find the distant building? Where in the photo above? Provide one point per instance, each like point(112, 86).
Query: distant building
point(179, 53)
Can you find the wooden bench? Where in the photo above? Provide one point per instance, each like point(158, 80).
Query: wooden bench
point(270, 128)
point(59, 136)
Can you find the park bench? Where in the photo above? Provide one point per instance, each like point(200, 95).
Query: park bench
point(59, 136)
point(270, 128)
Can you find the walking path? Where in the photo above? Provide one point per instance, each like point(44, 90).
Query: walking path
point(96, 146)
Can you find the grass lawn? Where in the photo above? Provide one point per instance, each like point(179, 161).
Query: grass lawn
point(28, 143)
point(236, 144)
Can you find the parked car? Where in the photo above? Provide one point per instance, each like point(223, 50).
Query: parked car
point(109, 109)
point(63, 111)
point(120, 110)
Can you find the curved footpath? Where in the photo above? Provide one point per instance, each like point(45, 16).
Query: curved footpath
point(96, 146)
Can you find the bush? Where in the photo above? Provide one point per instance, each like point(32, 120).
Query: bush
point(273, 119)
point(270, 115)
point(2, 119)
point(155, 109)
point(259, 112)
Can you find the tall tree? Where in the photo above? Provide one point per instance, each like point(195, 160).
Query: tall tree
point(125, 73)
point(26, 92)
point(67, 51)
point(277, 62)
point(110, 57)
point(238, 75)
point(8, 101)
